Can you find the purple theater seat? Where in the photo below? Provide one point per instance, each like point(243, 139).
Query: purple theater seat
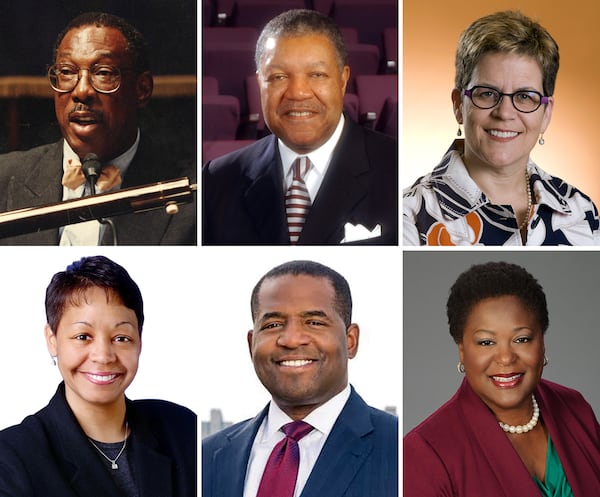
point(225, 35)
point(213, 149)
point(230, 64)
point(351, 105)
point(373, 91)
point(220, 117)
point(362, 59)
point(210, 86)
point(369, 17)
point(257, 13)
point(390, 49)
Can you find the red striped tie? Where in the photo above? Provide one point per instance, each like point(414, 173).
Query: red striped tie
point(297, 199)
point(281, 471)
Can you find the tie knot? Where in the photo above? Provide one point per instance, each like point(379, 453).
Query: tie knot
point(296, 429)
point(300, 167)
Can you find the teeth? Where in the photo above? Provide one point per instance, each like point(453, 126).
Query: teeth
point(503, 134)
point(300, 114)
point(102, 377)
point(296, 363)
point(502, 379)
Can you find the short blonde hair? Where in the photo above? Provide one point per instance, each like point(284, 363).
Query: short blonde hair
point(506, 32)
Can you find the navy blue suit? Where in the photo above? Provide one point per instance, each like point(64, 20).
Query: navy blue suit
point(359, 458)
point(49, 455)
point(244, 204)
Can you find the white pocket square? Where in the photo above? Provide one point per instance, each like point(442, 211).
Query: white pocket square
point(357, 232)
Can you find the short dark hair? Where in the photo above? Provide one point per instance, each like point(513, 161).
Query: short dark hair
point(68, 287)
point(493, 279)
point(342, 296)
point(300, 22)
point(137, 45)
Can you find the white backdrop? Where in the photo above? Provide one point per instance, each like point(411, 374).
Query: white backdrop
point(197, 315)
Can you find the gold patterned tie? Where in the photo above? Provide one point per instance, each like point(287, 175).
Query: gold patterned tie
point(73, 177)
point(297, 199)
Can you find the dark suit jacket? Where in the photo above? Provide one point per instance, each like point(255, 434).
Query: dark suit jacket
point(48, 454)
point(244, 201)
point(33, 178)
point(460, 451)
point(359, 458)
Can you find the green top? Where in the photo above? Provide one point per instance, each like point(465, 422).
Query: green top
point(556, 484)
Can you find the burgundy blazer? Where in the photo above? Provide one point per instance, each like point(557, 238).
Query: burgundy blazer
point(461, 451)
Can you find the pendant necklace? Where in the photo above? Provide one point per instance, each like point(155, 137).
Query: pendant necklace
point(113, 462)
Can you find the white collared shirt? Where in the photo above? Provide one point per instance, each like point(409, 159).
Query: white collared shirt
point(320, 158)
point(90, 232)
point(322, 419)
point(122, 162)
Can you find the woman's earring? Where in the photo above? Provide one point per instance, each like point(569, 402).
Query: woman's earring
point(461, 368)
point(459, 132)
point(546, 361)
point(541, 140)
point(53, 357)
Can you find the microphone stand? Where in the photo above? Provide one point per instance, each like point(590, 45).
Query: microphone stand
point(92, 169)
point(167, 195)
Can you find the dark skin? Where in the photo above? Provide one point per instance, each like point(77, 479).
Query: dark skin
point(502, 339)
point(300, 345)
point(91, 121)
point(532, 448)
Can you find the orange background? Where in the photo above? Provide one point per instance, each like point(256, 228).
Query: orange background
point(431, 31)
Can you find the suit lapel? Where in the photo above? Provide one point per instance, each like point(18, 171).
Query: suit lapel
point(148, 166)
point(345, 451)
point(494, 446)
point(344, 186)
point(263, 196)
point(40, 184)
point(235, 455)
point(155, 467)
point(78, 461)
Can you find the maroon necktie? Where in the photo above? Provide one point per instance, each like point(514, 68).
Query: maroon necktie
point(281, 471)
point(297, 199)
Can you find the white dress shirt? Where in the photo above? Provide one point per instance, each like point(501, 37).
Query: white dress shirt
point(89, 232)
point(322, 419)
point(320, 158)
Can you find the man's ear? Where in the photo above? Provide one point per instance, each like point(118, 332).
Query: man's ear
point(352, 338)
point(144, 87)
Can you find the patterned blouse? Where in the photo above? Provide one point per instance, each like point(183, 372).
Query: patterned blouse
point(446, 207)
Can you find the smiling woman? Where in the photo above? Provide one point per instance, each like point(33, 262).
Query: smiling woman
point(91, 439)
point(487, 190)
point(506, 431)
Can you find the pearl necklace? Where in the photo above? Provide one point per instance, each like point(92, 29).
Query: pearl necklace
point(524, 428)
point(524, 222)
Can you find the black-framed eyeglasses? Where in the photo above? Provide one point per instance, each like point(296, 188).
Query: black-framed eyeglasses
point(525, 101)
point(104, 78)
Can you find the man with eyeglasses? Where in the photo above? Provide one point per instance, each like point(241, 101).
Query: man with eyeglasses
point(101, 79)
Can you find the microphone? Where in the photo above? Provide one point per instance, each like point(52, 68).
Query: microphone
point(91, 167)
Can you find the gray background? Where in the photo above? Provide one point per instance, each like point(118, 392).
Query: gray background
point(571, 282)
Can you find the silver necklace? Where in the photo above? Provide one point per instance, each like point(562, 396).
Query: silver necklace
point(113, 462)
point(524, 428)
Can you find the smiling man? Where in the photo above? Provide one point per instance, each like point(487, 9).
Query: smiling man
point(300, 345)
point(320, 176)
point(101, 80)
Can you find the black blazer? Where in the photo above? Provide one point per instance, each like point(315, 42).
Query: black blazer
point(49, 455)
point(32, 178)
point(359, 458)
point(243, 200)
